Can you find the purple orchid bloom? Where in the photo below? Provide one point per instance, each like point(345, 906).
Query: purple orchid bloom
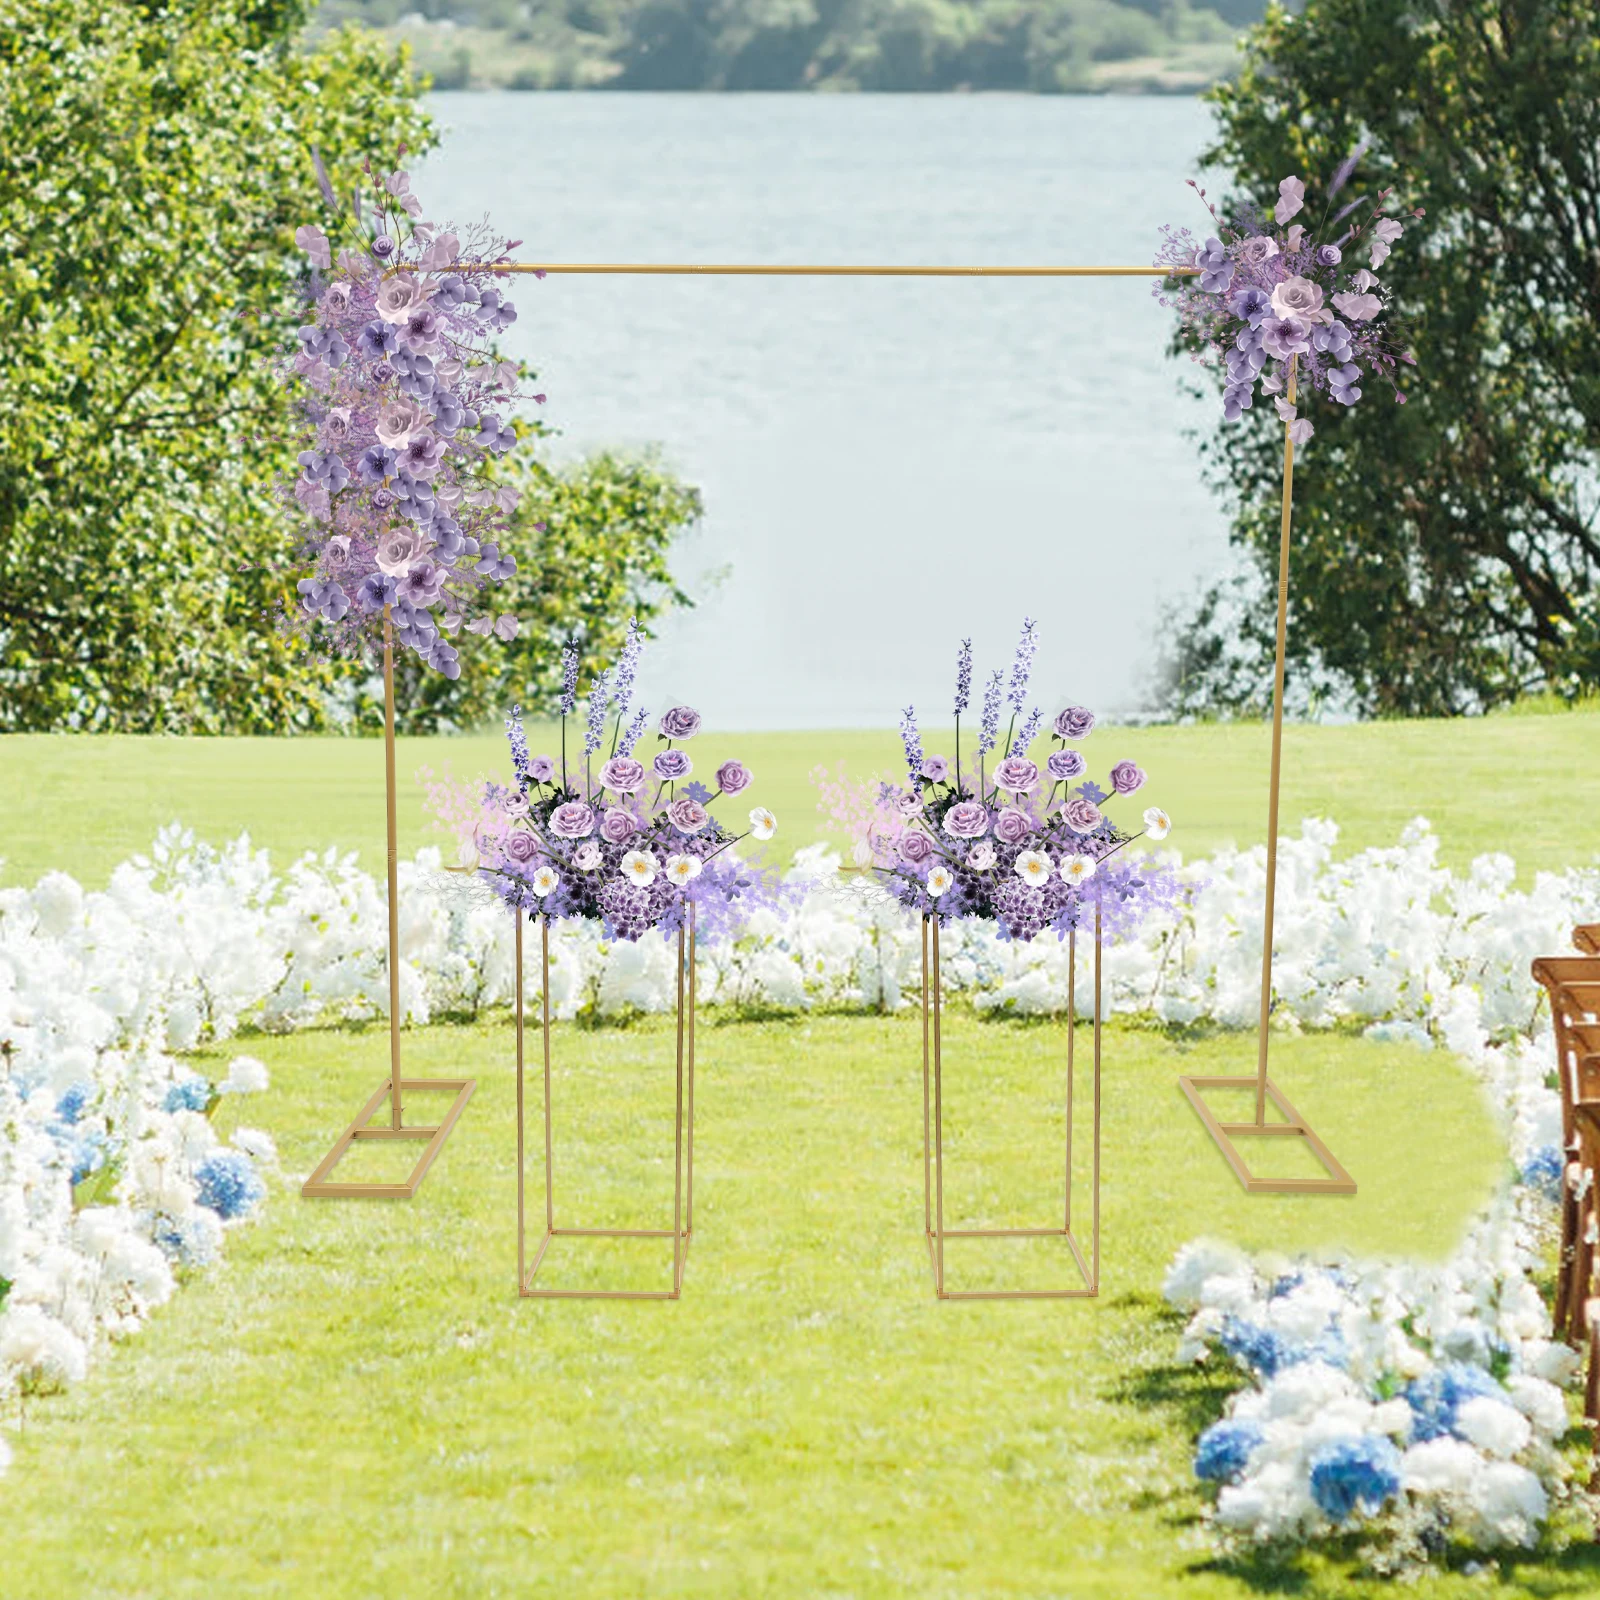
point(376, 463)
point(496, 435)
point(378, 340)
point(377, 590)
point(495, 566)
point(1250, 305)
point(1216, 270)
point(1344, 383)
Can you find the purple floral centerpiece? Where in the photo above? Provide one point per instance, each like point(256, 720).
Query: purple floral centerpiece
point(626, 837)
point(404, 408)
point(1277, 301)
point(1026, 841)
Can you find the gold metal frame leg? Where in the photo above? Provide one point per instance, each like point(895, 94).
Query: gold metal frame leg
point(320, 1186)
point(682, 1229)
point(935, 1230)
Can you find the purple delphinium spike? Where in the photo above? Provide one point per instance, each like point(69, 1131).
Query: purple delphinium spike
point(1019, 745)
point(599, 701)
point(1022, 665)
point(519, 744)
point(990, 733)
point(912, 740)
point(627, 665)
point(569, 677)
point(963, 676)
point(641, 720)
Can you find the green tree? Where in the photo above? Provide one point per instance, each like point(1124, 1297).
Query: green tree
point(1447, 551)
point(153, 167)
point(592, 543)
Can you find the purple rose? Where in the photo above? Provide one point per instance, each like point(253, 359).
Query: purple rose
point(1016, 775)
point(1065, 764)
point(1297, 297)
point(1012, 826)
point(681, 722)
point(1257, 251)
point(1126, 777)
point(618, 826)
point(623, 774)
point(732, 776)
point(1329, 255)
point(935, 769)
point(1082, 816)
point(522, 847)
point(966, 819)
point(916, 847)
point(541, 769)
point(688, 816)
point(572, 821)
point(671, 764)
point(1074, 723)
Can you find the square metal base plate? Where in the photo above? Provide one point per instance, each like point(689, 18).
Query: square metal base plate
point(319, 1186)
point(1293, 1126)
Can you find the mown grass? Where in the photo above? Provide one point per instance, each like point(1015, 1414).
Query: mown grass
point(1511, 783)
point(357, 1404)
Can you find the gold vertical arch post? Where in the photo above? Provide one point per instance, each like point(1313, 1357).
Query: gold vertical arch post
point(321, 1185)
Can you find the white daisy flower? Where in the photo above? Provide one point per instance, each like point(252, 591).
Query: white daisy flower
point(762, 823)
point(683, 869)
point(639, 868)
point(1033, 867)
point(1157, 823)
point(1077, 869)
point(940, 879)
point(981, 856)
point(546, 881)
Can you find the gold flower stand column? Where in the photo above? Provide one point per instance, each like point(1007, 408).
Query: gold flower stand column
point(682, 1230)
point(321, 1185)
point(933, 1224)
point(1288, 1124)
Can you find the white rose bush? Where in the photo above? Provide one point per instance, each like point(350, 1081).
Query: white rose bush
point(114, 1182)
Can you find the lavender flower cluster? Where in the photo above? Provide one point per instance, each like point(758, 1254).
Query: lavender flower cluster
point(620, 845)
point(1023, 847)
point(404, 407)
point(1277, 305)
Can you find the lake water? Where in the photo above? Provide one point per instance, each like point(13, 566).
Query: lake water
point(888, 465)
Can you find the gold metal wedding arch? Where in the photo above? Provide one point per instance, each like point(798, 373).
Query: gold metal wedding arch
point(1287, 1124)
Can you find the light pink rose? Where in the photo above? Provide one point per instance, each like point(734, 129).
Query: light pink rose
point(397, 295)
point(1082, 816)
point(397, 421)
point(688, 816)
point(1298, 297)
point(397, 549)
point(522, 847)
point(1012, 826)
point(1257, 251)
point(915, 848)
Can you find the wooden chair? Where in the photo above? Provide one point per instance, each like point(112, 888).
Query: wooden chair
point(1586, 937)
point(1573, 984)
point(1586, 1118)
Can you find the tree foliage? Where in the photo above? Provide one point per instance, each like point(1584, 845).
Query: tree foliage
point(1447, 551)
point(153, 166)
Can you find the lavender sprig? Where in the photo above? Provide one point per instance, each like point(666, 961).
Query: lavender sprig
point(1022, 665)
point(519, 745)
point(963, 676)
point(1019, 745)
point(991, 714)
point(569, 677)
point(627, 666)
point(599, 701)
point(641, 720)
point(912, 740)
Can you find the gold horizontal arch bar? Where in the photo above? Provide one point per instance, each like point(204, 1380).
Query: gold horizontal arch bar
point(683, 269)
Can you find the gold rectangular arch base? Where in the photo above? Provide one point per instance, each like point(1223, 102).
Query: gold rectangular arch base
point(1293, 1126)
point(319, 1186)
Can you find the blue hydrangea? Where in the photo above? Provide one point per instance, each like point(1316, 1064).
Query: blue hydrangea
point(192, 1094)
point(1437, 1396)
point(88, 1155)
point(1256, 1347)
point(71, 1106)
point(1544, 1172)
point(229, 1183)
point(1224, 1450)
point(1360, 1471)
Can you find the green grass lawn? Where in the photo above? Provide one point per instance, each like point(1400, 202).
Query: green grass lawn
point(357, 1404)
point(1512, 783)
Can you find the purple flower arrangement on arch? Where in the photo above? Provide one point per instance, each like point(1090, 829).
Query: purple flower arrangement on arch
point(1026, 845)
point(617, 838)
point(1279, 306)
point(404, 405)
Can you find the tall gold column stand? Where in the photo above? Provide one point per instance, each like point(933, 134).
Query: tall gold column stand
point(1292, 1125)
point(320, 1186)
point(933, 1159)
point(682, 1229)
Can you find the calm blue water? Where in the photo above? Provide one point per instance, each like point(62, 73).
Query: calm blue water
point(887, 464)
